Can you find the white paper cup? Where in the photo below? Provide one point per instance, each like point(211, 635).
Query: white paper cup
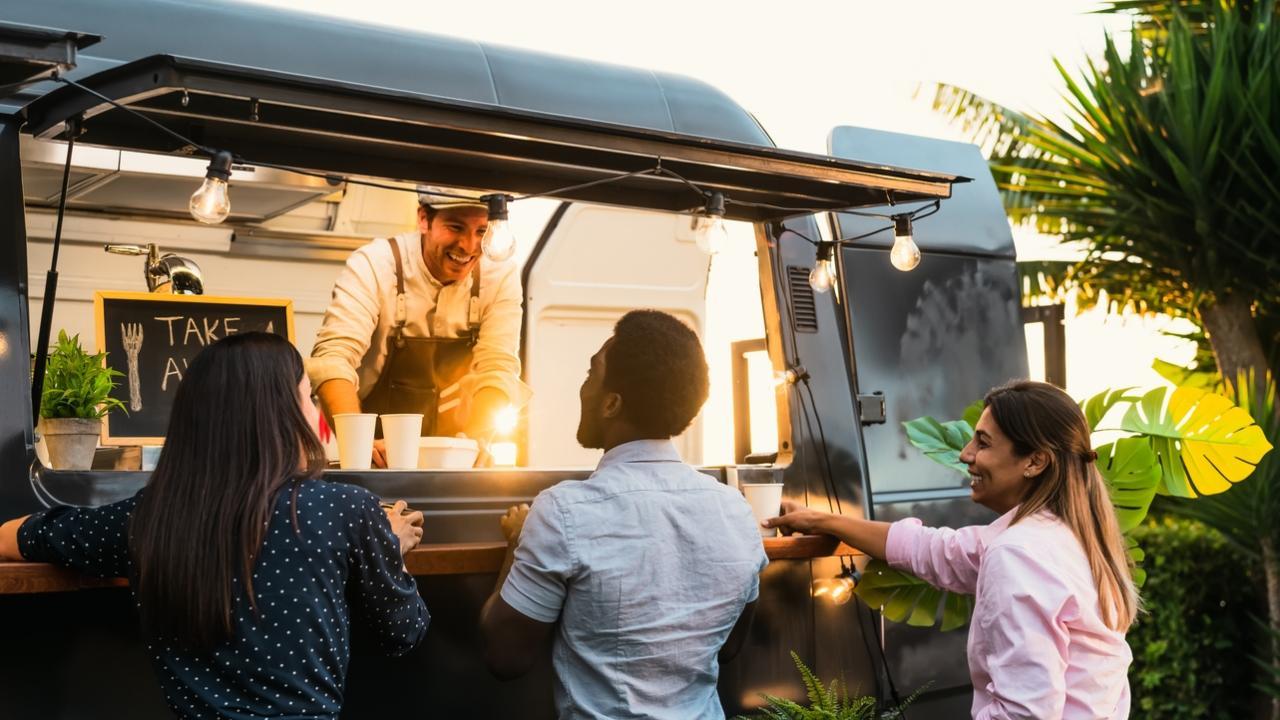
point(401, 432)
point(765, 500)
point(355, 439)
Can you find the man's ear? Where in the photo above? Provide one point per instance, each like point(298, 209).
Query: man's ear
point(424, 224)
point(612, 405)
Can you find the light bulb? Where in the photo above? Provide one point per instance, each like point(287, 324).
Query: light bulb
point(505, 420)
point(499, 242)
point(905, 255)
point(710, 233)
point(823, 275)
point(839, 590)
point(211, 204)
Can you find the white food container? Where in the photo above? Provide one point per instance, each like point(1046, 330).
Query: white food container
point(447, 453)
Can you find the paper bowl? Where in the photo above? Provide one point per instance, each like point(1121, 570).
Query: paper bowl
point(447, 453)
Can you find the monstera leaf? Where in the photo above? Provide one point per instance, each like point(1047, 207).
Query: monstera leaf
point(973, 414)
point(1096, 407)
point(940, 442)
point(1203, 441)
point(903, 597)
point(1132, 474)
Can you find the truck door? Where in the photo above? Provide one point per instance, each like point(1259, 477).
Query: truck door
point(592, 264)
point(933, 340)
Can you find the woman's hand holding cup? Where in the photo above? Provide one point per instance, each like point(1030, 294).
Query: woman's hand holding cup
point(407, 526)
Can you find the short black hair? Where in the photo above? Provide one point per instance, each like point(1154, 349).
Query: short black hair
point(656, 364)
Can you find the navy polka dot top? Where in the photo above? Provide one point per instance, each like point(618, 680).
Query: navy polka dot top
point(291, 661)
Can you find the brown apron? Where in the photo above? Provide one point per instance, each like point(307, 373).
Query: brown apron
point(418, 369)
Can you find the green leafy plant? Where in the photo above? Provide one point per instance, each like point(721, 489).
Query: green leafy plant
point(1191, 646)
point(77, 384)
point(826, 702)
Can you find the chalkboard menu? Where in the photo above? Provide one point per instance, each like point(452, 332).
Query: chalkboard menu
point(151, 338)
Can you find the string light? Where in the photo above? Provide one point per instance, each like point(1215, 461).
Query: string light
point(499, 242)
point(905, 255)
point(210, 203)
point(839, 589)
point(709, 230)
point(823, 274)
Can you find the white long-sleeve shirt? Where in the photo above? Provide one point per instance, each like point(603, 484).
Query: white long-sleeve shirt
point(355, 336)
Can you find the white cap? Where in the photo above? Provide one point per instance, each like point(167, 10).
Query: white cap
point(438, 197)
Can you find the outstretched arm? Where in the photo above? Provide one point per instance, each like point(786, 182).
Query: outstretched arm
point(869, 536)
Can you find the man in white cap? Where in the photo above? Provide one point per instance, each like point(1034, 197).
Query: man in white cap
point(422, 323)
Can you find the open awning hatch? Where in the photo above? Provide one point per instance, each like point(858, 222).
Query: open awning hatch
point(349, 129)
point(29, 53)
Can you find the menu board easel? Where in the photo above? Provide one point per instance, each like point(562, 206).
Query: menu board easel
point(151, 338)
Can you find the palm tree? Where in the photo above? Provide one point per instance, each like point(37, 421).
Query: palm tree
point(1166, 173)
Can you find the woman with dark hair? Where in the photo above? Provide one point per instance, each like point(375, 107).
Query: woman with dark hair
point(245, 566)
point(1053, 582)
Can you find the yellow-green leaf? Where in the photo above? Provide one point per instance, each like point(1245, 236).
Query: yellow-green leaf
point(1203, 442)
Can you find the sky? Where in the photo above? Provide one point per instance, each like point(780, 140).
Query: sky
point(803, 67)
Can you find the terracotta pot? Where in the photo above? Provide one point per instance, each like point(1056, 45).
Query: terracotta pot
point(70, 441)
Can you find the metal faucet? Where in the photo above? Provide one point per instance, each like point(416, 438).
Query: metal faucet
point(167, 273)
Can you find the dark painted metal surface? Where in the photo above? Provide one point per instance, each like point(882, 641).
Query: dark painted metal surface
point(29, 53)
point(971, 222)
point(16, 438)
point(268, 116)
point(389, 57)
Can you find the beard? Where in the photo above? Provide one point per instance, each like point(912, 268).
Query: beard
point(589, 432)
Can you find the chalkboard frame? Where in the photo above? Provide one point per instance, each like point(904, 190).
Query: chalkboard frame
point(101, 297)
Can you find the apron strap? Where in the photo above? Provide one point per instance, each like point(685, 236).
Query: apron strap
point(473, 306)
point(402, 314)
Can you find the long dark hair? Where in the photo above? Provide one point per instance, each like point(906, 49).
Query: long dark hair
point(237, 436)
point(1039, 416)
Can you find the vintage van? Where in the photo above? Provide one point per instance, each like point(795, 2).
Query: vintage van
point(355, 104)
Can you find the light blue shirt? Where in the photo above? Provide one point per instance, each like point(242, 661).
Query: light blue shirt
point(647, 564)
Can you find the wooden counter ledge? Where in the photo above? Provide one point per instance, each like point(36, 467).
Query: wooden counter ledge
point(434, 559)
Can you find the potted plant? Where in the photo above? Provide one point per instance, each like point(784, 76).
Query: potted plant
point(76, 394)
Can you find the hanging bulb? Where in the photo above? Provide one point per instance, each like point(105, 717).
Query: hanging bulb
point(210, 204)
point(710, 233)
point(823, 274)
point(839, 589)
point(709, 230)
point(905, 255)
point(499, 242)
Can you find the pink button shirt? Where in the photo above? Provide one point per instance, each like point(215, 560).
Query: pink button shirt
point(1038, 646)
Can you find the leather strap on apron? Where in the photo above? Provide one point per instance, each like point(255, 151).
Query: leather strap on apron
point(421, 373)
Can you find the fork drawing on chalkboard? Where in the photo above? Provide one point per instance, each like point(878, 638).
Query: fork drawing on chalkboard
point(131, 334)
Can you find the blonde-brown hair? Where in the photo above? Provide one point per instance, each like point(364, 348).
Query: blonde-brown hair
point(1038, 416)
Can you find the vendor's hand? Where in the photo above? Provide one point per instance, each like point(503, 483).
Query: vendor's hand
point(513, 522)
point(407, 526)
point(483, 458)
point(796, 518)
point(380, 453)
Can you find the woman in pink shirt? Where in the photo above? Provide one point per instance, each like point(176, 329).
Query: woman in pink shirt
point(1052, 579)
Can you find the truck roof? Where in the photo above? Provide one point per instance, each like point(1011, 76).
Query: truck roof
point(381, 56)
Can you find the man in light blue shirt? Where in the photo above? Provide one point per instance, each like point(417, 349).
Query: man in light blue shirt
point(644, 576)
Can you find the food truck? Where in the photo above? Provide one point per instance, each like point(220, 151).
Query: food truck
point(332, 125)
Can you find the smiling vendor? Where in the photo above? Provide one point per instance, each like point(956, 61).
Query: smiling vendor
point(423, 323)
